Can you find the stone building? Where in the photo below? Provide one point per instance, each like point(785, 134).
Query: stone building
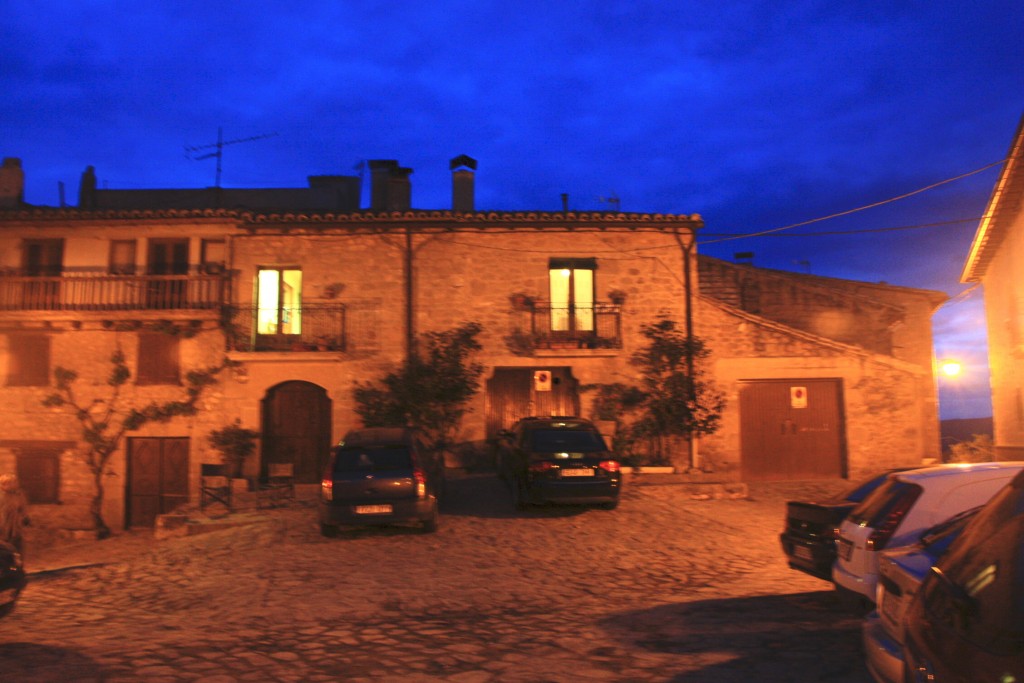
point(307, 293)
point(824, 377)
point(995, 260)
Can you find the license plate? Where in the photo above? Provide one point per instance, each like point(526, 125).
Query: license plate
point(373, 509)
point(8, 596)
point(845, 548)
point(578, 473)
point(802, 552)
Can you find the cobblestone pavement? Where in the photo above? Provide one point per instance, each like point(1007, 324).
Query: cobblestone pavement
point(665, 588)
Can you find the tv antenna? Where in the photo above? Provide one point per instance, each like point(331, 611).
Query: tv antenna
point(612, 200)
point(219, 146)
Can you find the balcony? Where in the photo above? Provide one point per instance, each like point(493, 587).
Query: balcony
point(102, 292)
point(313, 327)
point(598, 326)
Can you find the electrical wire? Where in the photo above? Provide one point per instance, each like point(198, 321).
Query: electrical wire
point(861, 208)
point(917, 226)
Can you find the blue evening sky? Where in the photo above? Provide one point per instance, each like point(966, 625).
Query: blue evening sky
point(756, 115)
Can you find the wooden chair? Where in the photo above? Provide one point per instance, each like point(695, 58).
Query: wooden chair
point(214, 486)
point(279, 486)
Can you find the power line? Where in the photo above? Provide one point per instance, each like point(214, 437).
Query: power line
point(862, 208)
point(917, 226)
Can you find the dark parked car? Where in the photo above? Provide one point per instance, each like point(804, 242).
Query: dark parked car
point(381, 476)
point(966, 622)
point(809, 539)
point(12, 577)
point(900, 573)
point(558, 459)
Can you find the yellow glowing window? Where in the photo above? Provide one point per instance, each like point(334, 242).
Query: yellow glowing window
point(279, 301)
point(571, 283)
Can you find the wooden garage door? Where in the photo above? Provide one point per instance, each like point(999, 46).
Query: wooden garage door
point(792, 429)
point(157, 478)
point(511, 395)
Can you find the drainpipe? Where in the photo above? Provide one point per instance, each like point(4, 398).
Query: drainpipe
point(410, 330)
point(687, 248)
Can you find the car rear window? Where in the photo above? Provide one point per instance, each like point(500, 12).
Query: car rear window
point(382, 459)
point(566, 441)
point(877, 506)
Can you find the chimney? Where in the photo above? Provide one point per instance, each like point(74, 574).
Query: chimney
point(399, 189)
point(12, 183)
point(380, 171)
point(87, 189)
point(390, 189)
point(463, 168)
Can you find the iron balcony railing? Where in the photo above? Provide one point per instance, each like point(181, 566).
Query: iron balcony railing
point(101, 292)
point(311, 327)
point(597, 326)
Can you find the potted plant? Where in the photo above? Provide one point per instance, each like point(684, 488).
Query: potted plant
point(521, 301)
point(235, 443)
point(617, 297)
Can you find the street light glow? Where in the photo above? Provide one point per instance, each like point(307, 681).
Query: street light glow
point(950, 368)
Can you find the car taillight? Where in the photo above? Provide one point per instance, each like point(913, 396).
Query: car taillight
point(421, 482)
point(540, 466)
point(884, 530)
point(609, 465)
point(327, 488)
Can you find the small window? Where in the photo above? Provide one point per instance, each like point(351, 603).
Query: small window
point(213, 257)
point(43, 258)
point(122, 257)
point(28, 360)
point(39, 474)
point(158, 359)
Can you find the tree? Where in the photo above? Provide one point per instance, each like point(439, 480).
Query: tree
point(104, 421)
point(430, 390)
point(235, 443)
point(674, 399)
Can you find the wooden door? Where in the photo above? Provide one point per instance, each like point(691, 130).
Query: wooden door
point(297, 429)
point(43, 259)
point(168, 258)
point(157, 478)
point(792, 429)
point(512, 394)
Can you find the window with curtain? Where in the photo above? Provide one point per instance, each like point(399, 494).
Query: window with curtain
point(279, 301)
point(122, 257)
point(571, 283)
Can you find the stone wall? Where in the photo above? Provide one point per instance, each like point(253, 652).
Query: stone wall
point(888, 405)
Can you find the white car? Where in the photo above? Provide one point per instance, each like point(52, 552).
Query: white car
point(902, 508)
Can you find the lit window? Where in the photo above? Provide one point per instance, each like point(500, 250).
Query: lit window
point(279, 305)
point(572, 294)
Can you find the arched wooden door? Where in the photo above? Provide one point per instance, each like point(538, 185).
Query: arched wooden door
point(297, 428)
